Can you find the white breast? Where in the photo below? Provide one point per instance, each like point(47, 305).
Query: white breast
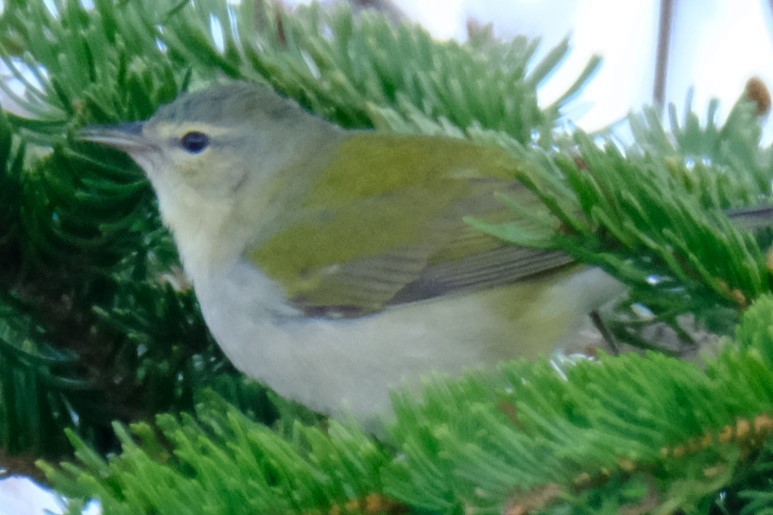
point(349, 365)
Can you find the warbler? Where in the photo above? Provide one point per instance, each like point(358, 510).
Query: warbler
point(334, 265)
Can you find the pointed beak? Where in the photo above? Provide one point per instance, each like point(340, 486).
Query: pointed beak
point(127, 136)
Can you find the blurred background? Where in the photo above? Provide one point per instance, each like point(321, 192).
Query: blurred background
point(654, 51)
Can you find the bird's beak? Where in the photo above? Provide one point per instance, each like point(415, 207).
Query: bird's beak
point(126, 136)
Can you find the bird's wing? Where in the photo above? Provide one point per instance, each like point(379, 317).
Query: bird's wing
point(361, 247)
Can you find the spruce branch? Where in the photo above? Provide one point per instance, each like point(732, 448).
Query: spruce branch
point(655, 214)
point(225, 462)
point(602, 436)
point(637, 432)
point(334, 63)
point(42, 388)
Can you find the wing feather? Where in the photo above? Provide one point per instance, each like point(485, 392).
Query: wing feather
point(398, 241)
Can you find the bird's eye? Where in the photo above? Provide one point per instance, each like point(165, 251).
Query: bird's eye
point(194, 141)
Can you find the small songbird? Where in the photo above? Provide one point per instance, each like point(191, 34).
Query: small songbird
point(333, 264)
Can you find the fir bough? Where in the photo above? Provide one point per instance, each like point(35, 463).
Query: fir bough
point(220, 461)
point(634, 432)
point(94, 275)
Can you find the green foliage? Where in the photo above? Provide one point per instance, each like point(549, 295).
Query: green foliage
point(591, 432)
point(85, 260)
point(634, 206)
point(96, 324)
point(756, 496)
point(11, 162)
point(723, 165)
point(638, 431)
point(122, 61)
point(42, 389)
point(86, 65)
point(220, 461)
point(343, 67)
point(654, 215)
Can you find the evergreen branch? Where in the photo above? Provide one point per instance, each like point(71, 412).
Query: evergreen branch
point(337, 65)
point(86, 64)
point(755, 494)
point(77, 216)
point(560, 52)
point(646, 216)
point(227, 464)
point(625, 417)
point(332, 62)
point(11, 162)
point(603, 436)
point(617, 434)
point(40, 386)
point(724, 165)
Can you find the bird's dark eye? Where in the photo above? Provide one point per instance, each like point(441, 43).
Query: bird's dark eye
point(194, 141)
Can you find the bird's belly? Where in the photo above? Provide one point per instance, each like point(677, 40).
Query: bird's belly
point(348, 365)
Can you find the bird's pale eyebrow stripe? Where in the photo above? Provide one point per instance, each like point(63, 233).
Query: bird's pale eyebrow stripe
point(174, 130)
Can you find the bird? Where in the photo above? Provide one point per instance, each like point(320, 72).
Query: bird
point(335, 265)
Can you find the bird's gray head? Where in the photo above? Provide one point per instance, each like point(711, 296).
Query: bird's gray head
point(220, 161)
point(210, 142)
